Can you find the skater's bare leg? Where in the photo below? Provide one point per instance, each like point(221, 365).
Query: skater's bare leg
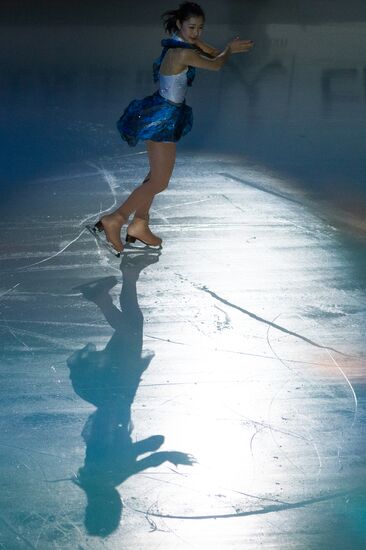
point(112, 224)
point(143, 210)
point(139, 227)
point(162, 159)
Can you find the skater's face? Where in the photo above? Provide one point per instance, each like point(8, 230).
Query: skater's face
point(190, 29)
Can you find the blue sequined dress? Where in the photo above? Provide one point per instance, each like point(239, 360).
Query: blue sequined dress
point(156, 117)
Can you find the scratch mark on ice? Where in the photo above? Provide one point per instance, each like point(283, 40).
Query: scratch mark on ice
point(9, 290)
point(262, 320)
point(112, 183)
point(23, 268)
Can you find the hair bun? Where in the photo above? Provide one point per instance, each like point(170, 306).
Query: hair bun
point(184, 12)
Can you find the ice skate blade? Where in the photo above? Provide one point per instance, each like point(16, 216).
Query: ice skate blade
point(143, 247)
point(130, 239)
point(94, 231)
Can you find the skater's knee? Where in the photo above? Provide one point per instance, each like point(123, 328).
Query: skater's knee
point(159, 185)
point(164, 184)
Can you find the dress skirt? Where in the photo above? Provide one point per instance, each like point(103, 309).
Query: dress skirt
point(155, 118)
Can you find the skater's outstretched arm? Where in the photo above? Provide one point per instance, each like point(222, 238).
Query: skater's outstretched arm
point(211, 51)
point(193, 58)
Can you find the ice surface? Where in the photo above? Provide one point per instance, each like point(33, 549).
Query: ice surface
point(210, 395)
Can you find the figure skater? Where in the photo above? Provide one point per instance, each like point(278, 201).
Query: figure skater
point(163, 118)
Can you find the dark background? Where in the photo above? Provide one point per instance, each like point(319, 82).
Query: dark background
point(110, 12)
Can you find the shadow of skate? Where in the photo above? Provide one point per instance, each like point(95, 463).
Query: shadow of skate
point(109, 380)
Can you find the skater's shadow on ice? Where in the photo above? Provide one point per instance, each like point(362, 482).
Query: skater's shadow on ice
point(109, 379)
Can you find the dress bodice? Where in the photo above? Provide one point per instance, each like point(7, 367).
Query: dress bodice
point(173, 87)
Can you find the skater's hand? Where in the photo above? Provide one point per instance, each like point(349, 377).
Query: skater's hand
point(176, 458)
point(240, 46)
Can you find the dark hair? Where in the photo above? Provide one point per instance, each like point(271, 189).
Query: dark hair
point(184, 12)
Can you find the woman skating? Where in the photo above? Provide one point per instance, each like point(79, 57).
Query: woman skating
point(163, 118)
